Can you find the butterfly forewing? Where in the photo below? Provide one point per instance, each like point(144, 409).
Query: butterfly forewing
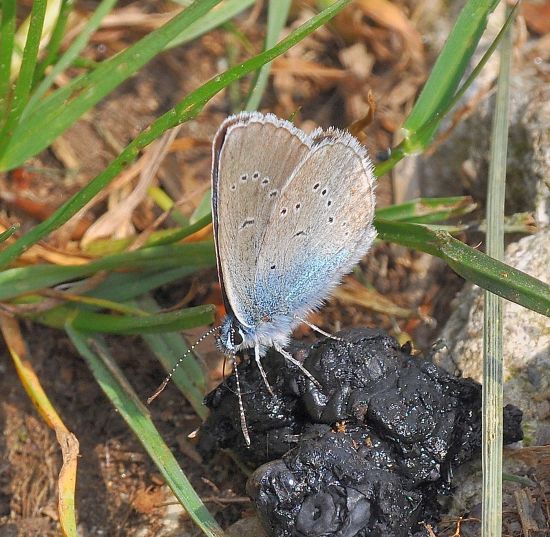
point(254, 156)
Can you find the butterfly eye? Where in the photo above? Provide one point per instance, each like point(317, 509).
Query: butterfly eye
point(236, 335)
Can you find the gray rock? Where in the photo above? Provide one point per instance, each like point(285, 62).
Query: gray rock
point(526, 341)
point(246, 527)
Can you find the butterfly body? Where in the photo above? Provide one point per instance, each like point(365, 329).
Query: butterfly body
point(292, 214)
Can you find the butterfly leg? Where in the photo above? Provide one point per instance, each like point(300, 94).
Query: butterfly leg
point(262, 372)
point(244, 427)
point(317, 329)
point(293, 360)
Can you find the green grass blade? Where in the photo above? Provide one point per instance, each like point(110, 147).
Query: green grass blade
point(90, 321)
point(187, 109)
point(169, 348)
point(22, 280)
point(56, 38)
point(218, 16)
point(277, 13)
point(7, 36)
point(71, 53)
point(26, 73)
point(8, 233)
point(125, 286)
point(419, 139)
point(124, 399)
point(493, 378)
point(427, 210)
point(177, 345)
point(77, 97)
point(449, 67)
point(158, 345)
point(474, 266)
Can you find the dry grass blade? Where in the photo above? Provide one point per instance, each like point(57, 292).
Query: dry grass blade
point(387, 14)
point(352, 292)
point(66, 439)
point(114, 218)
point(526, 511)
point(493, 331)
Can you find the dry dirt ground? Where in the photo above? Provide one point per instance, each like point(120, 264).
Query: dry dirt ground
point(327, 79)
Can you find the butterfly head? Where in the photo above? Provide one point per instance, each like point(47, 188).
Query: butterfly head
point(233, 336)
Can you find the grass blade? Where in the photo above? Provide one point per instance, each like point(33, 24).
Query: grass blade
point(71, 53)
point(68, 442)
point(218, 16)
point(8, 233)
point(26, 73)
point(56, 38)
point(7, 36)
point(158, 343)
point(195, 370)
point(124, 399)
point(449, 67)
point(90, 321)
point(187, 109)
point(169, 348)
point(474, 266)
point(428, 210)
point(124, 286)
point(277, 13)
point(493, 379)
point(46, 123)
point(24, 280)
point(417, 140)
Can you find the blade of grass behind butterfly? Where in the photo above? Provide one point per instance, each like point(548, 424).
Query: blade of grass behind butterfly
point(7, 36)
point(158, 344)
point(124, 399)
point(428, 210)
point(419, 139)
point(169, 348)
point(82, 93)
point(8, 233)
point(472, 265)
point(18, 281)
point(218, 16)
point(55, 40)
point(449, 68)
point(493, 377)
point(185, 110)
point(126, 286)
point(71, 54)
point(178, 347)
point(277, 14)
point(26, 73)
point(90, 321)
point(211, 20)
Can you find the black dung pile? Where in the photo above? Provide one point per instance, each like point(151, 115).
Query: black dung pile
point(367, 454)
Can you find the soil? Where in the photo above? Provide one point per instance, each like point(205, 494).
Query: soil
point(119, 491)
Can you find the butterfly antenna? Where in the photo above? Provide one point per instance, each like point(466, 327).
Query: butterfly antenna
point(165, 382)
point(244, 427)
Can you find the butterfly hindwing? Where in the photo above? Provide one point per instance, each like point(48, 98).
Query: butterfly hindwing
point(319, 228)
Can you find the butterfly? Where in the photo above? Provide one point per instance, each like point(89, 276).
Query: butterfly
point(292, 213)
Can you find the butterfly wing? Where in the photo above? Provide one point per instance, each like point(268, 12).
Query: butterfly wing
point(319, 227)
point(253, 157)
